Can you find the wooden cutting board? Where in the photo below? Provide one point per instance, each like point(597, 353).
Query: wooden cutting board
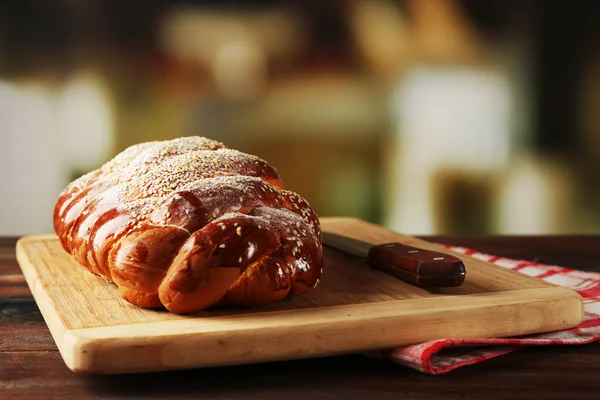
point(354, 309)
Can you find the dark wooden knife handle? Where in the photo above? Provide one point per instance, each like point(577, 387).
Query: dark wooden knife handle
point(417, 266)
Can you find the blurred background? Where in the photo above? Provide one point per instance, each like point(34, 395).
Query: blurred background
point(454, 117)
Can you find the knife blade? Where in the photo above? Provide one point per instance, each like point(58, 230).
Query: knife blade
point(417, 266)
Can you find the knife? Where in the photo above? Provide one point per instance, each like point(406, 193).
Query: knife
point(417, 266)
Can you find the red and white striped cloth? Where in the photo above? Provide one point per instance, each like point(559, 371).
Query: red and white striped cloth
point(441, 356)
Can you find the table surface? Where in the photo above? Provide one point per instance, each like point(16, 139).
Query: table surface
point(31, 367)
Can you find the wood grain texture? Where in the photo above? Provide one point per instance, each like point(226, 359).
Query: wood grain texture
point(354, 309)
point(12, 282)
point(31, 367)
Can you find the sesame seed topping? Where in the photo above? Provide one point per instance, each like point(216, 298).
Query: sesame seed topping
point(222, 246)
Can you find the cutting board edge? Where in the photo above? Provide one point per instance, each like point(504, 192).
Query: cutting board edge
point(107, 350)
point(56, 325)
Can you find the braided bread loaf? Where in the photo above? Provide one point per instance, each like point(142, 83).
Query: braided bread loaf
point(187, 224)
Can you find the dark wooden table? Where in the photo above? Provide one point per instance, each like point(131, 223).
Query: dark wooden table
point(31, 367)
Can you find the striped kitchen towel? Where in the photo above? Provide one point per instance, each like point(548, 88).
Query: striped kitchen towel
point(441, 356)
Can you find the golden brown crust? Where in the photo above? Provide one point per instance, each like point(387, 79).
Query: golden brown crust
point(187, 224)
point(145, 300)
